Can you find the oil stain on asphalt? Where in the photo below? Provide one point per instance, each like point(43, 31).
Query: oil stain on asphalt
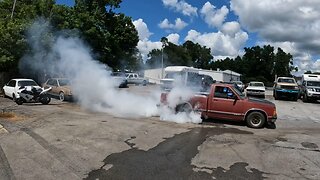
point(171, 159)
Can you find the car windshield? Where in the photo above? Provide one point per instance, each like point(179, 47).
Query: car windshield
point(27, 83)
point(257, 84)
point(286, 80)
point(64, 82)
point(313, 83)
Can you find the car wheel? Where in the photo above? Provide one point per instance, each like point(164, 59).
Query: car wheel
point(61, 96)
point(144, 83)
point(255, 119)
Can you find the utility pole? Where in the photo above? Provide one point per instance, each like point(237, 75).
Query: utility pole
point(162, 62)
point(13, 7)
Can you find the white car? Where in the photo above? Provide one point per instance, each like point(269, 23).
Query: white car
point(11, 88)
point(255, 89)
point(239, 84)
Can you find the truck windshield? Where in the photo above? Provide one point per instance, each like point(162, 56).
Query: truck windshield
point(286, 80)
point(313, 83)
point(236, 89)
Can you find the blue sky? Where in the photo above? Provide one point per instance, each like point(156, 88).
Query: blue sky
point(227, 26)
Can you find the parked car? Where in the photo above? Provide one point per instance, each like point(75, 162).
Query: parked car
point(12, 87)
point(286, 87)
point(225, 101)
point(255, 89)
point(60, 88)
point(134, 78)
point(239, 84)
point(310, 88)
point(120, 79)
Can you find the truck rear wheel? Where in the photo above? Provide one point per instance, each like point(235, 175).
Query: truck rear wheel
point(255, 119)
point(183, 108)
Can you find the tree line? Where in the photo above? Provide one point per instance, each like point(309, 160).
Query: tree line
point(113, 38)
point(257, 63)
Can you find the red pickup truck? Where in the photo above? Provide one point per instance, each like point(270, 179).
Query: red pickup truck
point(225, 101)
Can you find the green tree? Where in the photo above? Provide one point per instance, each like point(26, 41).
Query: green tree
point(188, 54)
point(283, 65)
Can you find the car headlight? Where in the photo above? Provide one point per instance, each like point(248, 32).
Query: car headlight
point(310, 89)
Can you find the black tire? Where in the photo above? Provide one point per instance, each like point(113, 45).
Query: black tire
point(276, 97)
point(305, 98)
point(45, 99)
point(183, 108)
point(61, 96)
point(144, 83)
point(255, 119)
point(19, 101)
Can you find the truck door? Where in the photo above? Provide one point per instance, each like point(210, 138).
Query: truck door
point(224, 104)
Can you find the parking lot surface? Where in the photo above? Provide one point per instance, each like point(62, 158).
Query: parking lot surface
point(64, 141)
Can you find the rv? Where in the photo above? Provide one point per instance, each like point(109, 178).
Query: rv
point(184, 76)
point(310, 90)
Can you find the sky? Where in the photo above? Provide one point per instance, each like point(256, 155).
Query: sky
point(227, 26)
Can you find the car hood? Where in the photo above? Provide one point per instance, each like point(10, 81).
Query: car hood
point(287, 84)
point(257, 100)
point(256, 88)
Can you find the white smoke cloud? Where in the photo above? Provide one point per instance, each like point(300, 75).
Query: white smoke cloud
point(90, 80)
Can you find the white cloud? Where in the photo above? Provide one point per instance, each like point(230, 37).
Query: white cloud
point(279, 21)
point(220, 44)
point(174, 38)
point(181, 6)
point(303, 60)
point(144, 44)
point(179, 24)
point(230, 28)
point(142, 29)
point(212, 16)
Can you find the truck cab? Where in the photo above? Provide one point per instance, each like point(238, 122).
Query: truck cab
point(310, 89)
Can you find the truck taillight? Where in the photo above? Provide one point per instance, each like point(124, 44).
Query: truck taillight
point(163, 98)
point(274, 112)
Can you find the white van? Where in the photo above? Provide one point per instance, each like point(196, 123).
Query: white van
point(310, 87)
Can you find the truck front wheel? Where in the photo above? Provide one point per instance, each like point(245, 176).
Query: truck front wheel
point(255, 119)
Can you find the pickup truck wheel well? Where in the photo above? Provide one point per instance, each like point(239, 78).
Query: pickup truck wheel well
point(256, 110)
point(184, 107)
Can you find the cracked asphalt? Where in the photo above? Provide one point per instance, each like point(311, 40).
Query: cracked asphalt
point(64, 141)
